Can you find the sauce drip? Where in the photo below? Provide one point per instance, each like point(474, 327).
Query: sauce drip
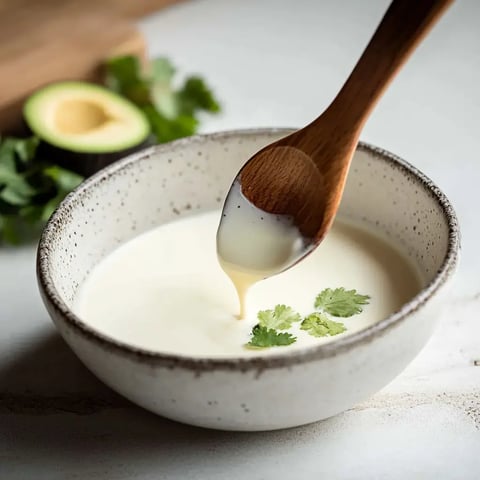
point(253, 244)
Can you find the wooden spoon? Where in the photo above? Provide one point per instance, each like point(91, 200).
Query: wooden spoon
point(302, 176)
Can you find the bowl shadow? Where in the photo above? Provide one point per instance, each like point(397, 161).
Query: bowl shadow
point(59, 421)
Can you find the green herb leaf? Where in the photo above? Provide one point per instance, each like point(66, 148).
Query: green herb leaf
point(16, 190)
point(16, 182)
point(64, 179)
point(25, 148)
point(13, 197)
point(172, 114)
point(9, 230)
point(123, 72)
point(281, 318)
point(48, 209)
point(31, 213)
point(340, 302)
point(161, 70)
point(30, 189)
point(8, 153)
point(195, 95)
point(319, 325)
point(7, 173)
point(263, 337)
point(164, 101)
point(165, 129)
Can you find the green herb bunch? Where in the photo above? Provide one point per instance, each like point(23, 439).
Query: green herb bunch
point(30, 189)
point(172, 112)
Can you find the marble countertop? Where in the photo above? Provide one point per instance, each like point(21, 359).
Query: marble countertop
point(277, 63)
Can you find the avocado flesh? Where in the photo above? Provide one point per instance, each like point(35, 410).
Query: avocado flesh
point(79, 117)
point(84, 126)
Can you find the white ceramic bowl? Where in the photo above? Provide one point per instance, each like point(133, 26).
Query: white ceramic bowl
point(287, 389)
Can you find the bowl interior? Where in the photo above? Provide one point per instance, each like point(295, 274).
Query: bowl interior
point(193, 175)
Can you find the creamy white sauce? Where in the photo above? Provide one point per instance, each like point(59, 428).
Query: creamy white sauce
point(253, 244)
point(165, 290)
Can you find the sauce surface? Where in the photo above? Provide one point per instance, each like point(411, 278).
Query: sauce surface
point(166, 291)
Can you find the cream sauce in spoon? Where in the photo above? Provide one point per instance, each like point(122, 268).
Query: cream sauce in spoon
point(253, 244)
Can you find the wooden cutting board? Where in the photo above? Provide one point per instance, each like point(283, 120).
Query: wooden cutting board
point(49, 40)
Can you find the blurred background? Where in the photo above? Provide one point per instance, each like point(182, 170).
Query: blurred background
point(50, 40)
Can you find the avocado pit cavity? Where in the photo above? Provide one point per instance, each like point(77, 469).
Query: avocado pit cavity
point(76, 117)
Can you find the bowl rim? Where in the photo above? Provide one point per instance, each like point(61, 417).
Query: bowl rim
point(59, 310)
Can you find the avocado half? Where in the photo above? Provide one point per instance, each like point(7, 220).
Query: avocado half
point(84, 126)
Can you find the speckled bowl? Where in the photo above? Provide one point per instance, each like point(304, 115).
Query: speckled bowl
point(286, 389)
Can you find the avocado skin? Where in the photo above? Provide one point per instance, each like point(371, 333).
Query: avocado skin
point(85, 164)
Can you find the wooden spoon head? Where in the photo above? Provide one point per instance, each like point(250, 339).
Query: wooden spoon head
point(283, 202)
point(284, 180)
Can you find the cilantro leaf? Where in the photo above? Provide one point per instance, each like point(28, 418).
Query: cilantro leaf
point(165, 129)
point(263, 337)
point(164, 101)
point(319, 325)
point(13, 149)
point(25, 148)
point(30, 189)
point(281, 318)
point(7, 173)
point(162, 93)
point(124, 76)
point(340, 302)
point(17, 183)
point(162, 70)
point(9, 230)
point(195, 95)
point(14, 197)
point(171, 112)
point(65, 180)
point(123, 72)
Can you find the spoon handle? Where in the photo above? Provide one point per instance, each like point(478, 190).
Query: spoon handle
point(402, 28)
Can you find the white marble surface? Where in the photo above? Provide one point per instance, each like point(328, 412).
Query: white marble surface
point(277, 63)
